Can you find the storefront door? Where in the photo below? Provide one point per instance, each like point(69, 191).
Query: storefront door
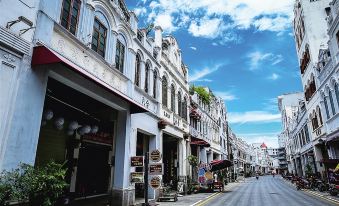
point(93, 170)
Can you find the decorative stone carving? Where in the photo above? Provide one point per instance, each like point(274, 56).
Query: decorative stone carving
point(9, 57)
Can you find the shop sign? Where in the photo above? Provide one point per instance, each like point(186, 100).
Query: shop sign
point(137, 177)
point(137, 161)
point(209, 177)
point(100, 137)
point(156, 169)
point(155, 182)
point(155, 155)
point(201, 175)
point(145, 102)
point(205, 166)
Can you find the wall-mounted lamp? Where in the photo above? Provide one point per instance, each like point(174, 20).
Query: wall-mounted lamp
point(20, 19)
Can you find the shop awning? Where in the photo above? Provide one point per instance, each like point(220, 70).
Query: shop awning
point(43, 56)
point(199, 142)
point(220, 164)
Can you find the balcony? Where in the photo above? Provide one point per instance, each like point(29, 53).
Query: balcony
point(318, 132)
point(325, 71)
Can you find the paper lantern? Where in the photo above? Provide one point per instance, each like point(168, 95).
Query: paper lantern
point(73, 125)
point(94, 129)
point(48, 114)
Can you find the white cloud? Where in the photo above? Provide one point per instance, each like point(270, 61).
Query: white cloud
point(274, 76)
point(264, 15)
point(140, 11)
point(166, 22)
point(227, 96)
point(208, 28)
point(270, 139)
point(257, 57)
point(204, 80)
point(254, 117)
point(193, 48)
point(198, 74)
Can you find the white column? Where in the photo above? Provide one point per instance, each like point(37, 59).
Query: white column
point(122, 153)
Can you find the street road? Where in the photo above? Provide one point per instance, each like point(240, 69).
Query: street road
point(267, 191)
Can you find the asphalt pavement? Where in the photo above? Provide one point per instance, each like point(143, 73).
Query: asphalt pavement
point(267, 191)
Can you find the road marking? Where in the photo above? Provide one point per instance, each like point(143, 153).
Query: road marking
point(208, 199)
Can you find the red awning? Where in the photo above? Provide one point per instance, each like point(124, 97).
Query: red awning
point(220, 164)
point(199, 142)
point(43, 55)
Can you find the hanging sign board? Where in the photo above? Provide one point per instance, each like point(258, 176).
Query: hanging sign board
point(156, 169)
point(155, 182)
point(137, 177)
point(137, 161)
point(155, 156)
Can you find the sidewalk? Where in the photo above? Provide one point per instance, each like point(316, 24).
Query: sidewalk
point(317, 193)
point(193, 199)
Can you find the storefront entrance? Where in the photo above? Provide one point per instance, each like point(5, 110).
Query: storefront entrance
point(142, 148)
point(93, 169)
point(78, 131)
point(170, 160)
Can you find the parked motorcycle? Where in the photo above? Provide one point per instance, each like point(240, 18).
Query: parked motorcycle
point(302, 184)
point(333, 189)
point(322, 186)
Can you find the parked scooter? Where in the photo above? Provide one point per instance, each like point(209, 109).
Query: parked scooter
point(322, 186)
point(302, 184)
point(333, 189)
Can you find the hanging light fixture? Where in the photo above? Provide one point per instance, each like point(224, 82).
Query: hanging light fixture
point(59, 123)
point(48, 114)
point(94, 129)
point(73, 125)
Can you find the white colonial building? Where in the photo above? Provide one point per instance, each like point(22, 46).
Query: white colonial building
point(83, 84)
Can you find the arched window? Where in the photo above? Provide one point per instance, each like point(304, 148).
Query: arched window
point(155, 76)
point(164, 91)
point(120, 54)
point(179, 104)
point(326, 108)
point(336, 90)
point(331, 102)
point(137, 71)
point(184, 109)
point(147, 77)
point(320, 117)
point(99, 37)
point(172, 98)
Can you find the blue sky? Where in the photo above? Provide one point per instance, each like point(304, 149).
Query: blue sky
point(242, 49)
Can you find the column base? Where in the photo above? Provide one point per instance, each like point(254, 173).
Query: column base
point(123, 197)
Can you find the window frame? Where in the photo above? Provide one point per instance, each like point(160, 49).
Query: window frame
point(137, 70)
point(155, 77)
point(120, 57)
point(99, 36)
point(164, 88)
point(147, 71)
point(69, 16)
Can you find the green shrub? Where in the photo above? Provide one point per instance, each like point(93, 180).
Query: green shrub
point(42, 186)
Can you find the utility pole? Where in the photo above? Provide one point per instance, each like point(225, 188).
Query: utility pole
point(146, 163)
